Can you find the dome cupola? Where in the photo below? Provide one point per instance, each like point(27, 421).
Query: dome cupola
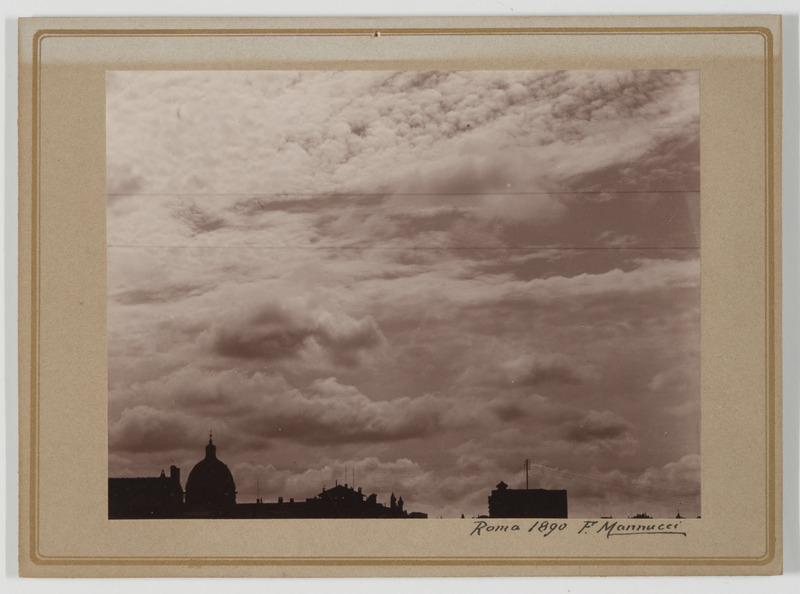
point(210, 486)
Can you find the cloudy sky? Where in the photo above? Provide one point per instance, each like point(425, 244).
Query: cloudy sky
point(425, 277)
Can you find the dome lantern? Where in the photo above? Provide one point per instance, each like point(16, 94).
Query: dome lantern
point(211, 449)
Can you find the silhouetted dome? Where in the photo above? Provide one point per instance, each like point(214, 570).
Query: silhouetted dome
point(210, 484)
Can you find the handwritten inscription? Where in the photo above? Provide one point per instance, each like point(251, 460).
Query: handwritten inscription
point(616, 528)
point(607, 528)
point(482, 526)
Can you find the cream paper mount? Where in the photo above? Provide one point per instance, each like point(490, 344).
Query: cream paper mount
point(473, 262)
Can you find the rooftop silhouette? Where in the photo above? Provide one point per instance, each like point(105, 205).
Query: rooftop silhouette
point(211, 493)
point(527, 503)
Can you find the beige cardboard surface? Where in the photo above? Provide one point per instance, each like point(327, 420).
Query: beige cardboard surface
point(64, 528)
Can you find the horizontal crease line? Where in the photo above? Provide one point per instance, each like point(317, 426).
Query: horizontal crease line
point(369, 247)
point(356, 194)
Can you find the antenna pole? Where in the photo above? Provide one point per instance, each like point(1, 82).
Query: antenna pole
point(527, 465)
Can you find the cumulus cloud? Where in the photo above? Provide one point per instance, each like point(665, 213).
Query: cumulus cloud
point(146, 429)
point(683, 475)
point(592, 432)
point(278, 330)
point(262, 407)
point(331, 413)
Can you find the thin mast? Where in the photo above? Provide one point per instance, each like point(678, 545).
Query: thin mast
point(527, 465)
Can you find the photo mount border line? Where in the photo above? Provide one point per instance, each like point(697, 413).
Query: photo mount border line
point(39, 559)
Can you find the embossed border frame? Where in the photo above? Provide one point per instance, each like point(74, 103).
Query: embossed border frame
point(36, 32)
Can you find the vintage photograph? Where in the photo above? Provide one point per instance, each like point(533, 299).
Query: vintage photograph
point(403, 294)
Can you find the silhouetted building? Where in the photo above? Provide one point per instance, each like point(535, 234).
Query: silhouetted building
point(146, 497)
point(210, 490)
point(211, 493)
point(342, 501)
point(527, 503)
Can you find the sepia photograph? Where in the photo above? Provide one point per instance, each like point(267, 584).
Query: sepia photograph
point(403, 294)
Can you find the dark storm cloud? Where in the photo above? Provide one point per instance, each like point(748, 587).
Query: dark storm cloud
point(277, 332)
point(540, 374)
point(508, 411)
point(260, 343)
point(558, 421)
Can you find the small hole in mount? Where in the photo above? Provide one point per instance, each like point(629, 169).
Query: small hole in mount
point(376, 34)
